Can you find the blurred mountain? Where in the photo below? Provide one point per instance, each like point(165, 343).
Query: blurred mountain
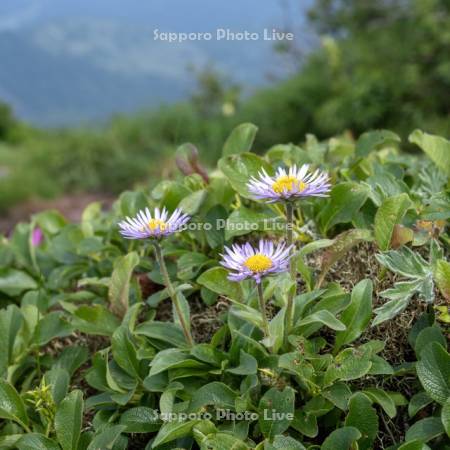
point(66, 62)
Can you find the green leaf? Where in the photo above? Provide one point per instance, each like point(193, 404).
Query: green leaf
point(52, 325)
point(69, 420)
point(414, 445)
point(240, 140)
point(124, 351)
point(247, 314)
point(119, 289)
point(215, 235)
point(305, 423)
point(349, 364)
point(208, 353)
point(276, 330)
point(323, 316)
point(317, 406)
point(445, 416)
point(428, 335)
point(221, 441)
point(105, 439)
point(244, 221)
point(357, 316)
point(374, 140)
point(281, 442)
point(11, 404)
point(59, 380)
point(418, 401)
point(190, 264)
point(424, 430)
point(13, 282)
point(162, 332)
point(240, 168)
point(339, 394)
point(389, 214)
point(192, 203)
point(140, 419)
point(424, 320)
point(362, 416)
point(131, 202)
point(35, 441)
point(345, 201)
point(248, 365)
point(436, 147)
point(184, 311)
point(216, 280)
point(383, 399)
point(380, 366)
point(11, 320)
point(276, 409)
point(173, 430)
point(173, 359)
point(442, 277)
point(50, 221)
point(90, 214)
point(341, 439)
point(94, 319)
point(215, 393)
point(168, 397)
point(433, 371)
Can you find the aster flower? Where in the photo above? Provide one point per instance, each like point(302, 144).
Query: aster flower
point(246, 261)
point(289, 184)
point(144, 225)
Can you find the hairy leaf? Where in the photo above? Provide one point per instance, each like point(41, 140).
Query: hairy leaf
point(363, 416)
point(433, 371)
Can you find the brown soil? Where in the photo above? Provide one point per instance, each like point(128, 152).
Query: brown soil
point(205, 320)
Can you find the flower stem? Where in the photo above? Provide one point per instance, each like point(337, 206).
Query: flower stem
point(292, 268)
point(262, 307)
point(172, 293)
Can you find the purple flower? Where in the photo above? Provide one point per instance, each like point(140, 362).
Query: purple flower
point(145, 226)
point(37, 236)
point(246, 261)
point(289, 185)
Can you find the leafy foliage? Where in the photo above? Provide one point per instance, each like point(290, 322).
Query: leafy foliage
point(322, 386)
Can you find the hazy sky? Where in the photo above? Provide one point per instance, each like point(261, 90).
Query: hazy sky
point(71, 60)
point(191, 15)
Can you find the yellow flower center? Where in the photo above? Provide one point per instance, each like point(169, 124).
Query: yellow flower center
point(288, 183)
point(258, 263)
point(153, 224)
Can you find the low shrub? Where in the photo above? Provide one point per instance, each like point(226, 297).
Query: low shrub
point(150, 342)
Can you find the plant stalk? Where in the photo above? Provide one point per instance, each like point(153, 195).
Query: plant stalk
point(292, 268)
point(262, 307)
point(172, 293)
